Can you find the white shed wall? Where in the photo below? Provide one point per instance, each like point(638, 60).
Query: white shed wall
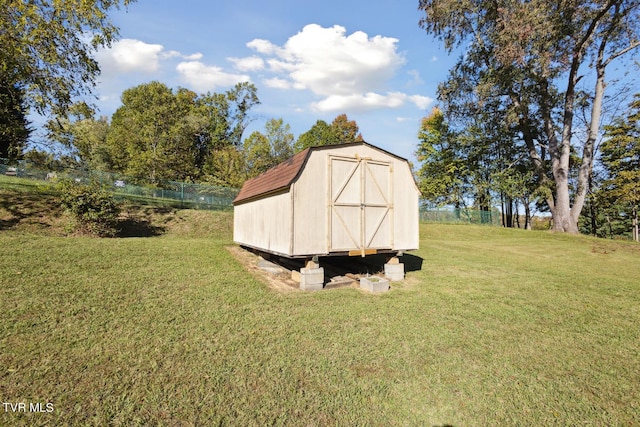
point(406, 211)
point(311, 201)
point(310, 207)
point(264, 223)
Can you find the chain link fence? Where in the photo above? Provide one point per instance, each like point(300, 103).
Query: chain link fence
point(461, 216)
point(178, 194)
point(202, 196)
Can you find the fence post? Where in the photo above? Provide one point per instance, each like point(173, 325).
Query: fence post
point(182, 194)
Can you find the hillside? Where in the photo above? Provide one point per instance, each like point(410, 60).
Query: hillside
point(497, 327)
point(32, 207)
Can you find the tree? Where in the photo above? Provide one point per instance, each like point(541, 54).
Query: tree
point(472, 164)
point(620, 156)
point(221, 119)
point(257, 152)
point(341, 131)
point(346, 130)
point(280, 139)
point(441, 175)
point(150, 137)
point(47, 48)
point(529, 57)
point(320, 134)
point(83, 135)
point(226, 167)
point(14, 126)
point(241, 98)
point(264, 151)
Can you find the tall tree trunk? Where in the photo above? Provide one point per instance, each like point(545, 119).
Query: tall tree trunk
point(636, 233)
point(509, 212)
point(584, 174)
point(527, 218)
point(566, 216)
point(560, 152)
point(594, 224)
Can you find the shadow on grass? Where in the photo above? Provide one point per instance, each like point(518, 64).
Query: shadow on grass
point(24, 208)
point(343, 265)
point(371, 264)
point(132, 227)
point(140, 221)
point(31, 211)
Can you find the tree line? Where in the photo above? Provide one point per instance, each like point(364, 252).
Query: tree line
point(521, 110)
point(453, 171)
point(519, 121)
point(159, 134)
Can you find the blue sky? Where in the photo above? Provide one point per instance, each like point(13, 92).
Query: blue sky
point(309, 60)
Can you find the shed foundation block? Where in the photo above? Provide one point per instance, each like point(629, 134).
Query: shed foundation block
point(394, 270)
point(374, 284)
point(311, 279)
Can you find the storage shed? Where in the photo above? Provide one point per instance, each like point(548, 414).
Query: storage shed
point(349, 199)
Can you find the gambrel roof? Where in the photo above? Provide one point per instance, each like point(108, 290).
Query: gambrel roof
point(281, 177)
point(275, 179)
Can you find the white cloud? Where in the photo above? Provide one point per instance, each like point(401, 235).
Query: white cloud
point(170, 54)
point(420, 101)
point(415, 78)
point(193, 57)
point(206, 78)
point(128, 55)
point(349, 71)
point(369, 101)
point(366, 101)
point(262, 46)
point(278, 83)
point(251, 63)
point(327, 61)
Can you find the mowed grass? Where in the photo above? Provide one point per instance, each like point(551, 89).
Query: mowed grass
point(499, 327)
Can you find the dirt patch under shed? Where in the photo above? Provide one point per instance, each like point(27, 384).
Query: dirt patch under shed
point(340, 272)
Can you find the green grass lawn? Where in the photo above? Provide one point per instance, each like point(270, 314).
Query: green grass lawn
point(500, 327)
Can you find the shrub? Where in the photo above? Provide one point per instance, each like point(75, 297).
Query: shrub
point(92, 207)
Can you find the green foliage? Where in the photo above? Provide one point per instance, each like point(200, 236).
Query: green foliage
point(241, 99)
point(341, 131)
point(83, 135)
point(613, 207)
point(14, 126)
point(264, 151)
point(159, 134)
point(225, 167)
point(150, 137)
point(620, 155)
point(47, 47)
point(442, 169)
point(519, 72)
point(92, 207)
point(46, 161)
point(320, 134)
point(280, 139)
point(257, 152)
point(226, 116)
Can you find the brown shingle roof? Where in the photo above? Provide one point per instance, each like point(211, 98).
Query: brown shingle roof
point(275, 179)
point(282, 176)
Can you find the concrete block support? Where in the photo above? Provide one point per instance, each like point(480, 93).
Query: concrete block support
point(311, 279)
point(394, 270)
point(374, 284)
